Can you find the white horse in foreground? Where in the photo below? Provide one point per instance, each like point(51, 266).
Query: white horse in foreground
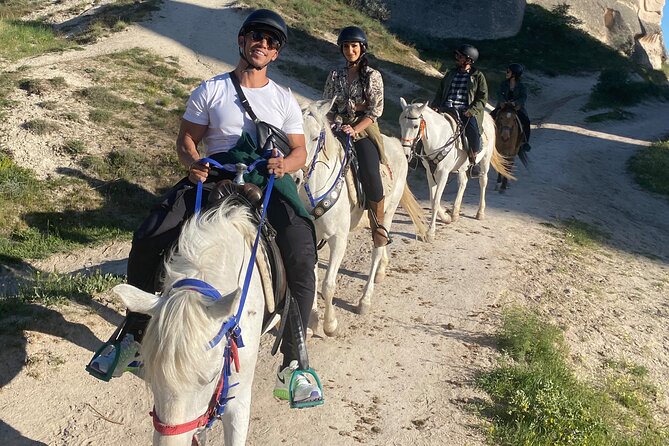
point(443, 153)
point(344, 215)
point(182, 371)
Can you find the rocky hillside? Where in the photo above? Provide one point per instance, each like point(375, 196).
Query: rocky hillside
point(630, 26)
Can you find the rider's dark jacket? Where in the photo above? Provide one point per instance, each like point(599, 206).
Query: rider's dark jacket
point(518, 96)
point(477, 93)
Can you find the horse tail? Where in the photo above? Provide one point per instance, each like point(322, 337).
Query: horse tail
point(501, 164)
point(416, 212)
point(522, 154)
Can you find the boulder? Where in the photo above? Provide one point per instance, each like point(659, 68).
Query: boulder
point(493, 19)
point(633, 27)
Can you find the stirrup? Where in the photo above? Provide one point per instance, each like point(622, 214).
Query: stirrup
point(385, 234)
point(291, 388)
point(114, 342)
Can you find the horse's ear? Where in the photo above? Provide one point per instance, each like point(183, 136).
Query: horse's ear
point(325, 106)
point(424, 107)
point(403, 103)
point(137, 300)
point(222, 308)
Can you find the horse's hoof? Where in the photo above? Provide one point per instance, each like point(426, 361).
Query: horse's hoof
point(480, 215)
point(332, 329)
point(497, 186)
point(444, 217)
point(502, 191)
point(363, 308)
point(379, 276)
point(456, 217)
point(429, 237)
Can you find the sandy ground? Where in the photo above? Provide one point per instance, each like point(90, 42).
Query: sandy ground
point(402, 374)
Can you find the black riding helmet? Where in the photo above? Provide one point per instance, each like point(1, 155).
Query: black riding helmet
point(352, 34)
point(516, 69)
point(266, 20)
point(468, 50)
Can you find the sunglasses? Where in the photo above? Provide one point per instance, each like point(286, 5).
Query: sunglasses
point(272, 42)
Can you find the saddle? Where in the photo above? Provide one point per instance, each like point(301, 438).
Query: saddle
point(453, 115)
point(250, 196)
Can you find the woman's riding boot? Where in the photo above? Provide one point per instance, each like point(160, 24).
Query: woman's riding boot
point(376, 214)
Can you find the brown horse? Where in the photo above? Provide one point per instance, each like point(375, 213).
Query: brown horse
point(509, 138)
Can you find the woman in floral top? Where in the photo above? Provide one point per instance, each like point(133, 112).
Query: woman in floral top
point(358, 90)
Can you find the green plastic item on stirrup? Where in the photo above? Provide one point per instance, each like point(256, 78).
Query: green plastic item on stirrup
point(95, 372)
point(304, 404)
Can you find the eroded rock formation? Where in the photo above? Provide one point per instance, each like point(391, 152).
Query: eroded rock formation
point(630, 26)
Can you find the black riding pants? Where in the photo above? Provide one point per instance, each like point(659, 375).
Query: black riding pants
point(295, 237)
point(525, 123)
point(370, 175)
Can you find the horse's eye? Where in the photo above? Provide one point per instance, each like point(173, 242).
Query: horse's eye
point(315, 139)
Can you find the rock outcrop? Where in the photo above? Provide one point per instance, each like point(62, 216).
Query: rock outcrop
point(492, 19)
point(630, 26)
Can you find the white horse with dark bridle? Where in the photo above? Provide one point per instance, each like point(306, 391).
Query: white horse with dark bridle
point(328, 193)
point(188, 369)
point(443, 152)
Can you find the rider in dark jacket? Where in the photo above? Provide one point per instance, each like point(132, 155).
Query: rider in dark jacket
point(512, 91)
point(465, 89)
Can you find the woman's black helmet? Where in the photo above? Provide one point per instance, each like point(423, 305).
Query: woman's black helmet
point(266, 20)
point(352, 34)
point(469, 51)
point(516, 69)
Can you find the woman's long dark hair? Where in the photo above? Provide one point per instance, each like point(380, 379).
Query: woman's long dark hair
point(364, 75)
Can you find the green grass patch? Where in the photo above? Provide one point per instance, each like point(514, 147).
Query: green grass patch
point(19, 39)
point(615, 88)
point(74, 146)
point(41, 126)
point(104, 98)
point(649, 167)
point(40, 218)
point(100, 116)
point(581, 233)
point(55, 289)
point(613, 115)
point(114, 17)
point(537, 400)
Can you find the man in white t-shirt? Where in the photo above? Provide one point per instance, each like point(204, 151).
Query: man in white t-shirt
point(214, 115)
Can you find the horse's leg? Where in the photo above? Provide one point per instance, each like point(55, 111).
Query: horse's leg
point(433, 190)
point(390, 214)
point(237, 414)
point(483, 184)
point(381, 272)
point(462, 185)
point(337, 250)
point(366, 301)
point(500, 180)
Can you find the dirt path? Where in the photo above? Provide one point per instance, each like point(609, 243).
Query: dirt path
point(402, 374)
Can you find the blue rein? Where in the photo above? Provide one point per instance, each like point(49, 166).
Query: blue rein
point(230, 328)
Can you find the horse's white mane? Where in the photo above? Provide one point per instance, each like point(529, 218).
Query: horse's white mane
point(174, 344)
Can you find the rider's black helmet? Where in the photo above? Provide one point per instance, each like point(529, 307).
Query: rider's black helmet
point(352, 34)
point(469, 51)
point(516, 69)
point(266, 20)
